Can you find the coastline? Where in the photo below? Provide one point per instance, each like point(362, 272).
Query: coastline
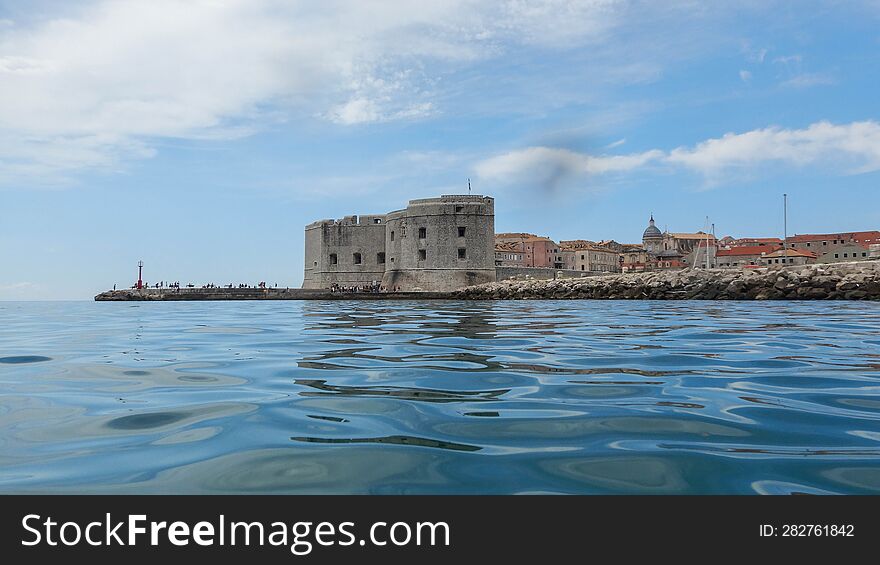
point(838, 281)
point(201, 294)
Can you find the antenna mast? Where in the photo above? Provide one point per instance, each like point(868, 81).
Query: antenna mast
point(785, 221)
point(707, 243)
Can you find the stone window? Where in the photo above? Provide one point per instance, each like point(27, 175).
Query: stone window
point(824, 243)
point(380, 258)
point(316, 263)
point(423, 233)
point(392, 259)
point(422, 255)
point(377, 221)
point(462, 253)
point(392, 236)
point(333, 259)
point(461, 231)
point(357, 258)
point(582, 267)
point(845, 255)
point(837, 255)
point(864, 254)
point(459, 208)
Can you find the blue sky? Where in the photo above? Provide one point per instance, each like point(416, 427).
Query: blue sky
point(202, 136)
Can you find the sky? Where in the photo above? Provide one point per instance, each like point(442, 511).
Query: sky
point(201, 136)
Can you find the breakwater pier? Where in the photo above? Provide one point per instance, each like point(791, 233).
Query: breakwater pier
point(839, 281)
point(253, 293)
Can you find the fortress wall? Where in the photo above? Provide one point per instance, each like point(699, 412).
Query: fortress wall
point(430, 259)
point(343, 238)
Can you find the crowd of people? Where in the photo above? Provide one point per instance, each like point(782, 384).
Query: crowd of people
point(373, 288)
point(176, 285)
point(161, 284)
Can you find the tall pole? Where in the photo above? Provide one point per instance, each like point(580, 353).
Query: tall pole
point(785, 220)
point(784, 227)
point(714, 246)
point(707, 243)
point(140, 283)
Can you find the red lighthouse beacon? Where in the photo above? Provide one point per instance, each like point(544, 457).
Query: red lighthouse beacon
point(140, 283)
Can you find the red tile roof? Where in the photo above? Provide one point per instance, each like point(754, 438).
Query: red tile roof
point(521, 237)
point(571, 244)
point(747, 250)
point(742, 240)
point(698, 235)
point(507, 246)
point(858, 237)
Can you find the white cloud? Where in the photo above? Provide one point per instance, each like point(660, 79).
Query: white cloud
point(807, 80)
point(86, 89)
point(745, 76)
point(754, 55)
point(788, 59)
point(848, 148)
point(853, 147)
point(557, 22)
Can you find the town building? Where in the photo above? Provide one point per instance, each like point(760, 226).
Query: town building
point(702, 255)
point(509, 254)
point(612, 245)
point(668, 250)
point(752, 241)
point(538, 251)
point(845, 253)
point(434, 244)
point(746, 256)
point(587, 256)
point(633, 258)
point(836, 247)
point(652, 238)
point(788, 257)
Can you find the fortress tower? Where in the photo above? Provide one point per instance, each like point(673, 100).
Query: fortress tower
point(441, 244)
point(434, 244)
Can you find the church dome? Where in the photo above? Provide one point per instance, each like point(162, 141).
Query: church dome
point(652, 231)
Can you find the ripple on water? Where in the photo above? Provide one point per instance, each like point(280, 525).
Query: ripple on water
point(441, 397)
point(20, 359)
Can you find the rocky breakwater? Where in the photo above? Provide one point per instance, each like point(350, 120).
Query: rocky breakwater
point(841, 281)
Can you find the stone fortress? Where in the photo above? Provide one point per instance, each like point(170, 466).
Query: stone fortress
point(447, 243)
point(435, 247)
point(434, 244)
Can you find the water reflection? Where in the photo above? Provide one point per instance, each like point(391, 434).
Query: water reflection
point(440, 397)
point(393, 440)
point(18, 359)
point(404, 393)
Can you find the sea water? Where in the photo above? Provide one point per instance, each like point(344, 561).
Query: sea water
point(484, 397)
